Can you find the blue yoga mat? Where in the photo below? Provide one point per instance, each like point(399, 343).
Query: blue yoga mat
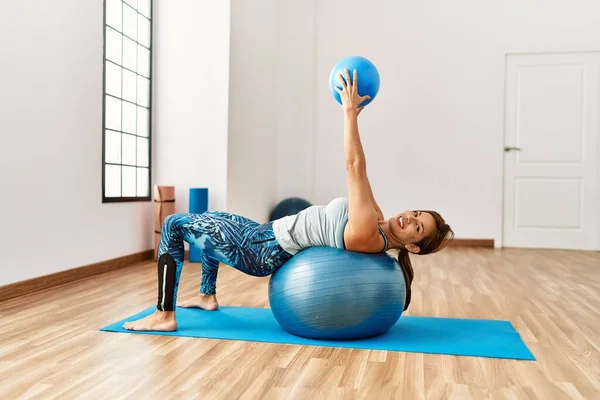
point(453, 336)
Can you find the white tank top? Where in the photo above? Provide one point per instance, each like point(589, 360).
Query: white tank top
point(314, 226)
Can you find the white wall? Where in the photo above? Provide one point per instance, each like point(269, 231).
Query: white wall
point(442, 67)
point(434, 135)
point(271, 129)
point(295, 100)
point(191, 82)
point(252, 140)
point(53, 218)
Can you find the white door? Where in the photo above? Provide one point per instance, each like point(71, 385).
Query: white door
point(551, 148)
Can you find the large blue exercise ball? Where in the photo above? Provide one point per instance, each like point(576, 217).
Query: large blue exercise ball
point(329, 293)
point(368, 77)
point(290, 206)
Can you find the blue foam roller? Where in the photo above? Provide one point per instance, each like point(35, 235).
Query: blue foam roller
point(198, 204)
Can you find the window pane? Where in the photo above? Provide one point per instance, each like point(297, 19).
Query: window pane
point(129, 186)
point(128, 64)
point(112, 147)
point(112, 181)
point(129, 117)
point(142, 121)
point(129, 86)
point(129, 149)
point(130, 22)
point(113, 79)
point(112, 113)
point(143, 92)
point(143, 179)
point(129, 54)
point(113, 13)
point(143, 31)
point(142, 152)
point(143, 64)
point(144, 7)
point(113, 45)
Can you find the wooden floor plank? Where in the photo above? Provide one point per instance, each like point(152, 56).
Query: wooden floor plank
point(51, 346)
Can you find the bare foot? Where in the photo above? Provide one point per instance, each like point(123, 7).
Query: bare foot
point(159, 321)
point(204, 301)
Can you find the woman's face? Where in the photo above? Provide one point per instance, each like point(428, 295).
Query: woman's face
point(411, 227)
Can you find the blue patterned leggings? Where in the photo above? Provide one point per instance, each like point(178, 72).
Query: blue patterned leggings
point(223, 237)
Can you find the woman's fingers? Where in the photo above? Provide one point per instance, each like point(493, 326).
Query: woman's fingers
point(343, 82)
point(349, 90)
point(348, 77)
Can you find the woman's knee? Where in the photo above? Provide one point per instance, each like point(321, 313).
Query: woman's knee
point(172, 221)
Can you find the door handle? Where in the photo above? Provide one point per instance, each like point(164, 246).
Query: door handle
point(512, 148)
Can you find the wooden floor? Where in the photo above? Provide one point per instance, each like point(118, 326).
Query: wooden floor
point(50, 345)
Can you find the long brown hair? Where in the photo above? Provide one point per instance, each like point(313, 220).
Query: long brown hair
point(436, 241)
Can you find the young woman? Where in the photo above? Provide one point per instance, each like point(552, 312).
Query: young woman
point(354, 224)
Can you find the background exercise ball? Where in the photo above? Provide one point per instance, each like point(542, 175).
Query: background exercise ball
point(329, 293)
point(368, 77)
point(287, 207)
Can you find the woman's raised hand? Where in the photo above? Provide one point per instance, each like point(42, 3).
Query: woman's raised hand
point(351, 99)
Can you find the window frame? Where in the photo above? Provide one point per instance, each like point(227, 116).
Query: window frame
point(121, 198)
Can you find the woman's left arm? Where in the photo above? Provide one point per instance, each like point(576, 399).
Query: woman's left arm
point(363, 217)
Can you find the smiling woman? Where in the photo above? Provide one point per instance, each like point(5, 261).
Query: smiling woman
point(355, 223)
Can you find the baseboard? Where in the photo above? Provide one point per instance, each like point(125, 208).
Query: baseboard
point(59, 278)
point(472, 243)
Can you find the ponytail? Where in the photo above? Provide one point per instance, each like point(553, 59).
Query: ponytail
point(409, 274)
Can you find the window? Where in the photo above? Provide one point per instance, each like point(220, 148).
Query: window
point(126, 146)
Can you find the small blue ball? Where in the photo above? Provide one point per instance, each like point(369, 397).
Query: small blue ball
point(368, 77)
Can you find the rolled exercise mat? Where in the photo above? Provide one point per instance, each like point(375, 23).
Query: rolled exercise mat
point(164, 205)
point(198, 205)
